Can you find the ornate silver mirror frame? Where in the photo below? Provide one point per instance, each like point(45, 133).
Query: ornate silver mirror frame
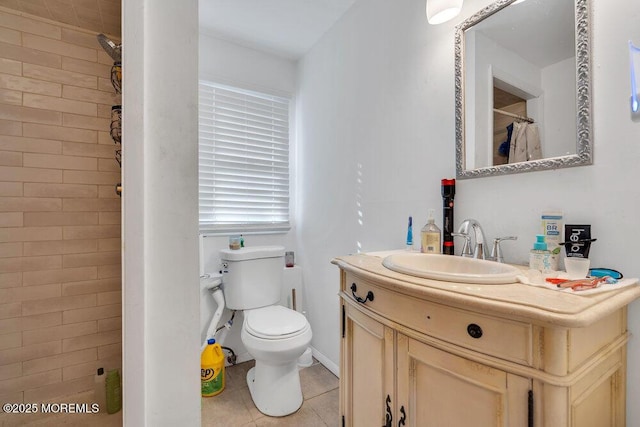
point(583, 154)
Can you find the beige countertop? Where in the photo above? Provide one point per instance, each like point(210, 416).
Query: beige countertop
point(536, 304)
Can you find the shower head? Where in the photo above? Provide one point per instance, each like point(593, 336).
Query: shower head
point(114, 50)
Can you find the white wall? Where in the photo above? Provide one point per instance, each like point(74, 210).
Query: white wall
point(226, 62)
point(160, 205)
point(376, 112)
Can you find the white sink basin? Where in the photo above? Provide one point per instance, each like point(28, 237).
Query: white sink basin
point(452, 268)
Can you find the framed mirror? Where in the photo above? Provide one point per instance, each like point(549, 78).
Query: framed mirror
point(523, 88)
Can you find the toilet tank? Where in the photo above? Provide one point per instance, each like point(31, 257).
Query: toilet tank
point(252, 276)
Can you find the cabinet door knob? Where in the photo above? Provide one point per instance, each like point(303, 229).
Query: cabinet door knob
point(475, 331)
point(361, 300)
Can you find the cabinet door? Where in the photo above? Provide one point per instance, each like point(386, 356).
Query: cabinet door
point(366, 380)
point(438, 389)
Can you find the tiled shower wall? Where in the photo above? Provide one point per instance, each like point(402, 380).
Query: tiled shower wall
point(60, 284)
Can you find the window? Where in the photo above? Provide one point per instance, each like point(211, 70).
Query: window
point(243, 159)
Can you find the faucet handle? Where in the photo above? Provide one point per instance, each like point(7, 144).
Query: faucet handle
point(466, 247)
point(496, 252)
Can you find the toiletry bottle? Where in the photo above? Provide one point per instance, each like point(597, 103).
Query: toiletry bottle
point(113, 391)
point(100, 389)
point(430, 236)
point(448, 190)
point(540, 257)
point(552, 229)
point(410, 235)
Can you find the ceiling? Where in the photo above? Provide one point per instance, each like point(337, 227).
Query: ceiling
point(287, 28)
point(102, 16)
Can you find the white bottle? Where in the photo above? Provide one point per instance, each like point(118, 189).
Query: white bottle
point(100, 389)
point(430, 236)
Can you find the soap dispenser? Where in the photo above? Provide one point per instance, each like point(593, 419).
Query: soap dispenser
point(540, 256)
point(430, 236)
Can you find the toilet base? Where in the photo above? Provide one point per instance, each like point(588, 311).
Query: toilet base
point(275, 389)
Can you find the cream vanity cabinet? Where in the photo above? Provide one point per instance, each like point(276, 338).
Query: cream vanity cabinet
point(423, 353)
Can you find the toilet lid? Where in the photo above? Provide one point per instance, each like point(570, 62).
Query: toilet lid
point(274, 322)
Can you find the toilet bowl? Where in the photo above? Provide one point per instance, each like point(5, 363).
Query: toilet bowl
point(276, 337)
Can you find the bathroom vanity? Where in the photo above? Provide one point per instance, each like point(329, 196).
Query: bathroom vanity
point(421, 352)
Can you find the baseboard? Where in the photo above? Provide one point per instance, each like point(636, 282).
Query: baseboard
point(326, 362)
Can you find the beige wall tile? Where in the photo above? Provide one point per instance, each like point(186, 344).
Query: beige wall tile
point(10, 189)
point(12, 370)
point(29, 293)
point(12, 280)
point(9, 66)
point(60, 247)
point(8, 250)
point(84, 67)
point(38, 263)
point(91, 95)
point(30, 234)
point(86, 177)
point(57, 333)
point(60, 190)
point(107, 284)
point(10, 36)
point(8, 326)
point(106, 245)
point(59, 47)
point(109, 351)
point(65, 388)
point(10, 158)
point(60, 218)
point(31, 381)
point(89, 341)
point(11, 219)
point(80, 38)
point(109, 165)
point(28, 25)
point(104, 138)
point(10, 265)
point(60, 133)
point(80, 370)
point(59, 104)
point(30, 145)
point(12, 97)
point(89, 150)
point(110, 271)
point(82, 122)
point(89, 232)
point(57, 161)
point(94, 313)
point(12, 340)
point(109, 218)
point(60, 361)
point(32, 56)
point(29, 204)
point(50, 305)
point(98, 258)
point(33, 115)
point(11, 173)
point(104, 84)
point(57, 75)
point(32, 86)
point(108, 298)
point(111, 324)
point(27, 323)
point(59, 276)
point(10, 310)
point(104, 111)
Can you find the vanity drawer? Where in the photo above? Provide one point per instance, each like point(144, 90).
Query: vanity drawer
point(503, 338)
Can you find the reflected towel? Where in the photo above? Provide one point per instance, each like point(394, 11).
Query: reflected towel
point(525, 143)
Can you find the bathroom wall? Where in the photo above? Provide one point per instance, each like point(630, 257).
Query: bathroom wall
point(376, 106)
point(230, 63)
point(60, 285)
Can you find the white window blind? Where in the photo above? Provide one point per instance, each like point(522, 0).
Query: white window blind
point(243, 159)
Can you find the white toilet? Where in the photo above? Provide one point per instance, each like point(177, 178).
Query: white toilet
point(274, 335)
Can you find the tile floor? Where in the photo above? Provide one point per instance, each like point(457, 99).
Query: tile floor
point(231, 408)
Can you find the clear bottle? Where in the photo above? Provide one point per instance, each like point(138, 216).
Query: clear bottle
point(100, 391)
point(540, 256)
point(430, 236)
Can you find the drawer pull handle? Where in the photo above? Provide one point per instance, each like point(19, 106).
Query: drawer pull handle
point(361, 300)
point(475, 331)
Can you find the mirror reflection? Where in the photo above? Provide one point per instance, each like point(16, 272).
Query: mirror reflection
point(517, 86)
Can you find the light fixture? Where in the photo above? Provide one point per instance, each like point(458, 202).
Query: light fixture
point(439, 11)
point(635, 102)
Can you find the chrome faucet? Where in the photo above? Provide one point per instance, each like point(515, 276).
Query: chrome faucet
point(479, 243)
point(480, 247)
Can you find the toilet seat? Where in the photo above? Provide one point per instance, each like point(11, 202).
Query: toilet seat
point(274, 323)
